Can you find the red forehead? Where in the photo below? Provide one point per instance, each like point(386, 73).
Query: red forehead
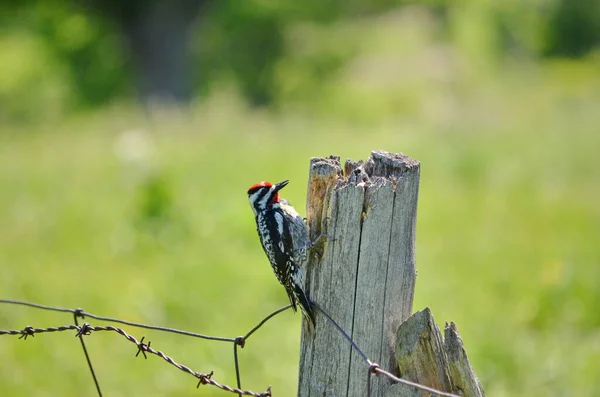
point(260, 184)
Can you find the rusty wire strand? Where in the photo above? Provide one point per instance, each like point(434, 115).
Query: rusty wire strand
point(237, 366)
point(37, 305)
point(241, 341)
point(81, 313)
point(341, 331)
point(264, 320)
point(395, 379)
point(374, 368)
point(86, 329)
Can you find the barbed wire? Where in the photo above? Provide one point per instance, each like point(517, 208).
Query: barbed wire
point(80, 313)
point(203, 378)
point(87, 329)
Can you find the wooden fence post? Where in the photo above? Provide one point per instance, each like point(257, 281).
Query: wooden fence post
point(363, 276)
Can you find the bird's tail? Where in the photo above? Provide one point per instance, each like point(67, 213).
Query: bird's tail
point(305, 305)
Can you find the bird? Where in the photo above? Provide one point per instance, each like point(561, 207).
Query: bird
point(285, 239)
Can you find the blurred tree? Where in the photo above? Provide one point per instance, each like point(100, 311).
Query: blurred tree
point(108, 47)
point(574, 28)
point(240, 45)
point(157, 34)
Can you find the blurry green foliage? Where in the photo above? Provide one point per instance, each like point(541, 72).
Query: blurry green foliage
point(33, 83)
point(574, 28)
point(240, 45)
point(91, 51)
point(60, 56)
point(155, 203)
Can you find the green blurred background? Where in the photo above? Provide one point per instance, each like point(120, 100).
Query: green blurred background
point(130, 131)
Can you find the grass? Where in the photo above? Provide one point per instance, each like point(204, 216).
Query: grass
point(147, 220)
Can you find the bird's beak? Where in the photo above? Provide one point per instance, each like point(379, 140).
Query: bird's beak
point(281, 185)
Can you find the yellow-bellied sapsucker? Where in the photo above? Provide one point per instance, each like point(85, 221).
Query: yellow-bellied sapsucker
point(284, 237)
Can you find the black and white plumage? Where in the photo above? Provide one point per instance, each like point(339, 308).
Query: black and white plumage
point(284, 238)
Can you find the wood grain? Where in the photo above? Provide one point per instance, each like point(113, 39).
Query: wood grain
point(365, 277)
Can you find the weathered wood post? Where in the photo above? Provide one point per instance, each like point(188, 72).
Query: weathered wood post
point(364, 278)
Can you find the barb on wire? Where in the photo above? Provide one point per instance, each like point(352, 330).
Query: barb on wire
point(30, 331)
point(27, 331)
point(142, 348)
point(86, 329)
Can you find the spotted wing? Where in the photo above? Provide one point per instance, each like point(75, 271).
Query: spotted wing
point(298, 229)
